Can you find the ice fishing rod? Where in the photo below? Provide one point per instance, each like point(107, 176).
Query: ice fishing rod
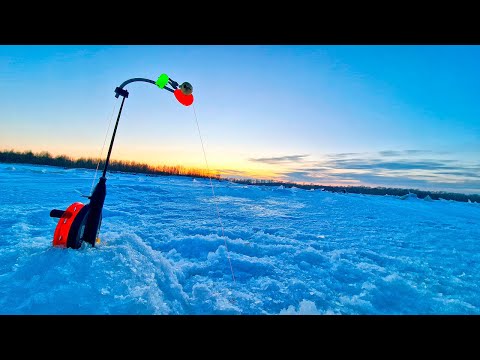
point(81, 222)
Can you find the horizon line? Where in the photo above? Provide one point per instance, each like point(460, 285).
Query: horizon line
point(218, 173)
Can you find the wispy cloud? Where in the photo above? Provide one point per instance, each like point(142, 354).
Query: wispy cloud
point(343, 155)
point(280, 159)
point(410, 168)
point(461, 172)
point(422, 169)
point(428, 182)
point(391, 165)
point(393, 153)
point(388, 153)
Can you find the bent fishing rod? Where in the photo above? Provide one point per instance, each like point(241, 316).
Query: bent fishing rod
point(81, 222)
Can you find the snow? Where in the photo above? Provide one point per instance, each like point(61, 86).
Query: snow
point(293, 251)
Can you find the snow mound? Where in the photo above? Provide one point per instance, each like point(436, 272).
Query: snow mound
point(306, 307)
point(409, 196)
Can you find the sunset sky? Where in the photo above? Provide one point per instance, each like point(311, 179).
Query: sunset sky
point(389, 115)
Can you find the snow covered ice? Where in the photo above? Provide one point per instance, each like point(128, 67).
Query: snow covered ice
point(293, 251)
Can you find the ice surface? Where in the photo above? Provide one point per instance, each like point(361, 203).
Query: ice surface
point(293, 251)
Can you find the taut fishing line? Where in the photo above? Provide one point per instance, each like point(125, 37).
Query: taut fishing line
point(103, 146)
point(213, 193)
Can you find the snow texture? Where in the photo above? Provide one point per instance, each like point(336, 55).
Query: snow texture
point(293, 251)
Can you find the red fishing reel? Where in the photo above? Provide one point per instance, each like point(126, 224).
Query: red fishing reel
point(70, 230)
point(68, 218)
point(80, 222)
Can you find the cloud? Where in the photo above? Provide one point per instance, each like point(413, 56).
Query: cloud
point(391, 165)
point(417, 169)
point(343, 155)
point(317, 168)
point(461, 172)
point(280, 159)
point(430, 182)
point(388, 153)
point(404, 172)
point(412, 152)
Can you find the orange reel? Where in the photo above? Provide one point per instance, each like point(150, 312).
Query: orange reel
point(60, 237)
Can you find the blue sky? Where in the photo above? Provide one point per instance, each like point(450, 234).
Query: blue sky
point(401, 116)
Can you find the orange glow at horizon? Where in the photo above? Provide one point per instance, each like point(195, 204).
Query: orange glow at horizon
point(226, 165)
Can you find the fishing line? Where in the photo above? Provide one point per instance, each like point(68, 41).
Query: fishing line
point(213, 192)
point(103, 146)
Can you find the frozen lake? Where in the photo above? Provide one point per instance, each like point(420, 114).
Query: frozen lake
point(292, 250)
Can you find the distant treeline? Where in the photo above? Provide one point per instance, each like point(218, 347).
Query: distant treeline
point(44, 158)
point(434, 195)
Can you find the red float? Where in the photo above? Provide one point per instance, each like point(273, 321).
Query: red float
point(183, 99)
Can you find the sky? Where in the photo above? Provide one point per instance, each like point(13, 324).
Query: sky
point(383, 115)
